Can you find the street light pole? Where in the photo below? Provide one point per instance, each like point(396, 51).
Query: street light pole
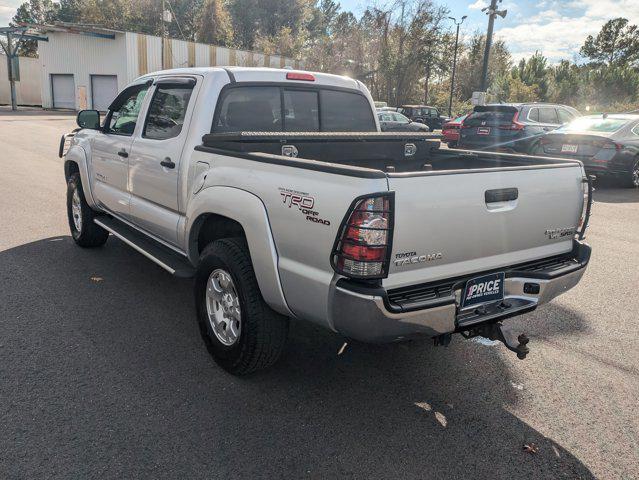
point(491, 11)
point(452, 79)
point(12, 81)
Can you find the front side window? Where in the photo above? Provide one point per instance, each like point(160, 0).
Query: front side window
point(124, 114)
point(167, 111)
point(398, 117)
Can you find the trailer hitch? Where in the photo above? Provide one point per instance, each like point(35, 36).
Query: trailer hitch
point(497, 331)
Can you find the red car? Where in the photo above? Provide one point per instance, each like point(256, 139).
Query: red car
point(450, 131)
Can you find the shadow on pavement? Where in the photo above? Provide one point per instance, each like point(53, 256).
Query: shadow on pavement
point(607, 192)
point(104, 374)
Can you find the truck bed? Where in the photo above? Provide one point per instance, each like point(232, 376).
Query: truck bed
point(388, 152)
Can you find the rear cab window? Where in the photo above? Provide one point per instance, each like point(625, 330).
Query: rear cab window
point(290, 109)
point(594, 124)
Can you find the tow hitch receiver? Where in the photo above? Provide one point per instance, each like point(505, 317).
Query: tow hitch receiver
point(497, 331)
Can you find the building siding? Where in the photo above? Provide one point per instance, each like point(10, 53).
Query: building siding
point(81, 56)
point(28, 89)
point(128, 56)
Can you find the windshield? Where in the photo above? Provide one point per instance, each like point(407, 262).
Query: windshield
point(594, 124)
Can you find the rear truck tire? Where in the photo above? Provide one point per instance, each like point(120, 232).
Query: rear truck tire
point(631, 179)
point(83, 230)
point(241, 332)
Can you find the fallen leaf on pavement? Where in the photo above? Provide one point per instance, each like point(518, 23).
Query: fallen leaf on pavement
point(530, 448)
point(96, 279)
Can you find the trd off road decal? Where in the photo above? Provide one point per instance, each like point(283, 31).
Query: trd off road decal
point(303, 202)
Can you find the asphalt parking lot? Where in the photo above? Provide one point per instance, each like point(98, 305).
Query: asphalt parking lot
point(103, 373)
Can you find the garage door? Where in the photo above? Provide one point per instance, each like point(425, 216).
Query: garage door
point(63, 88)
point(104, 89)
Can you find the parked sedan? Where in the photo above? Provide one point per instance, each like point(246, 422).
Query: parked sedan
point(512, 127)
point(396, 122)
point(608, 145)
point(450, 131)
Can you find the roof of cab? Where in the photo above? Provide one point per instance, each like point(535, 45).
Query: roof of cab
point(264, 74)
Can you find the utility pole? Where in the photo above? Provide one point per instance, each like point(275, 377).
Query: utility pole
point(20, 34)
point(491, 12)
point(452, 79)
point(12, 81)
point(163, 34)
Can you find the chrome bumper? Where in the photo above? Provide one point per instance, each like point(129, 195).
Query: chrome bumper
point(364, 315)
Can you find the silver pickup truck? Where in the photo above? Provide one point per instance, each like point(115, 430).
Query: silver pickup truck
point(276, 192)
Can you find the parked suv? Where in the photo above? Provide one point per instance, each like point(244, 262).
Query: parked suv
point(424, 114)
point(512, 127)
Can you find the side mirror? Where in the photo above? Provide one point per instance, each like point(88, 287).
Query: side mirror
point(88, 119)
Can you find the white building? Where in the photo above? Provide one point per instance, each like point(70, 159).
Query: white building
point(84, 67)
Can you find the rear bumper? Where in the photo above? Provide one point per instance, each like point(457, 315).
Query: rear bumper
point(374, 315)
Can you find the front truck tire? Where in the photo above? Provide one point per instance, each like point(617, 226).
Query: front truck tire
point(242, 333)
point(83, 230)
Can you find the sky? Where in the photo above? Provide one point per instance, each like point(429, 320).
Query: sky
point(557, 28)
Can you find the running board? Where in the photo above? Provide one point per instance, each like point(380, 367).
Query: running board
point(171, 261)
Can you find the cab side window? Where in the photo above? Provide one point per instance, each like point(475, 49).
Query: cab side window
point(533, 114)
point(565, 116)
point(124, 112)
point(548, 115)
point(167, 111)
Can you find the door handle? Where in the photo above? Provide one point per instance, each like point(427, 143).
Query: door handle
point(167, 163)
point(123, 153)
point(501, 195)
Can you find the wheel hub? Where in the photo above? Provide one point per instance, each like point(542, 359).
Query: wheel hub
point(76, 210)
point(223, 307)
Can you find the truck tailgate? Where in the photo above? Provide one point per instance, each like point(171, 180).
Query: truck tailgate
point(455, 223)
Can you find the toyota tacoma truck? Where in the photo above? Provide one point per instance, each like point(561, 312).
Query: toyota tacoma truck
point(277, 193)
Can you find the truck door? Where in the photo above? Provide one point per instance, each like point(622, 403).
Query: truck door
point(110, 150)
point(154, 163)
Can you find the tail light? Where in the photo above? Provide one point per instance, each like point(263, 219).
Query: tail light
point(514, 125)
point(586, 207)
point(612, 146)
point(363, 245)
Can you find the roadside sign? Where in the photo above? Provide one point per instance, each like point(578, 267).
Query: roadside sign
point(478, 98)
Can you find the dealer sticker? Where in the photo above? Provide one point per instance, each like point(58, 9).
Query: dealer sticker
point(484, 289)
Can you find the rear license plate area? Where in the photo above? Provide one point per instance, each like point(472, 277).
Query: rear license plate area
point(483, 130)
point(485, 289)
point(568, 148)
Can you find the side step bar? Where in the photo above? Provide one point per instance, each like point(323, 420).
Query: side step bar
point(166, 258)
